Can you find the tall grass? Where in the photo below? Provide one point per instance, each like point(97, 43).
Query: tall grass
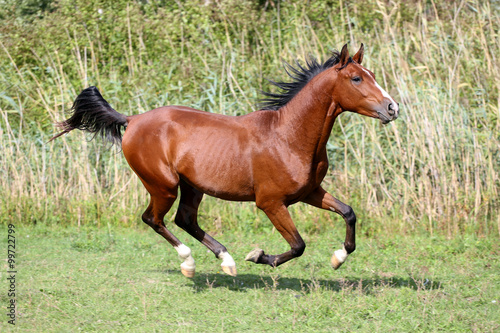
point(435, 169)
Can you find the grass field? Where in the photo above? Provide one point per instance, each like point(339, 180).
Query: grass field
point(116, 279)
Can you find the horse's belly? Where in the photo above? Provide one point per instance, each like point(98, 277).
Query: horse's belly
point(224, 185)
point(221, 172)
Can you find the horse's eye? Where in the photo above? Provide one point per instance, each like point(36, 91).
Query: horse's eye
point(356, 79)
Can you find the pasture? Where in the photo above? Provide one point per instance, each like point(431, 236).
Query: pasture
point(113, 279)
point(425, 188)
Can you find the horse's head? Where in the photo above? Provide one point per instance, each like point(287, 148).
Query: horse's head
point(356, 89)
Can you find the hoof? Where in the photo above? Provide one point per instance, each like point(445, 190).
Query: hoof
point(254, 255)
point(229, 270)
point(228, 265)
point(187, 273)
point(335, 262)
point(338, 258)
point(188, 269)
point(188, 266)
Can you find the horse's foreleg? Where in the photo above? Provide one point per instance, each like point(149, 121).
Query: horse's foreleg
point(280, 217)
point(187, 219)
point(322, 199)
point(153, 216)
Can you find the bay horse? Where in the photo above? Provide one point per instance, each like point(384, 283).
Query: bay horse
point(275, 156)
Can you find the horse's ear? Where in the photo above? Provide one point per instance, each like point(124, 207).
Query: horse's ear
point(344, 56)
point(358, 57)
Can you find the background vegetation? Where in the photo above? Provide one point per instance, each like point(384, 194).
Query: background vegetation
point(436, 169)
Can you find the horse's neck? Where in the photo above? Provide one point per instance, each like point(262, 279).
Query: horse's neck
point(307, 119)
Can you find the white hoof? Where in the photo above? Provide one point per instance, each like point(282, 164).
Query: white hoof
point(229, 270)
point(228, 265)
point(187, 272)
point(338, 258)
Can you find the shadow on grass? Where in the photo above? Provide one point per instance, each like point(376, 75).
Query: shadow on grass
point(244, 282)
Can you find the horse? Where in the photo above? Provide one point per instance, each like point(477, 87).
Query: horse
point(275, 156)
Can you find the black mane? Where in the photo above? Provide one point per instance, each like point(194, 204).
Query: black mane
point(300, 77)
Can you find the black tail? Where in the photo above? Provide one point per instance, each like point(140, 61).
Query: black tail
point(93, 114)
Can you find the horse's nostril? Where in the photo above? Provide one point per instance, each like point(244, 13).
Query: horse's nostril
point(391, 111)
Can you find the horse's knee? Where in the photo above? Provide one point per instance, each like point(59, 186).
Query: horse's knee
point(349, 216)
point(298, 249)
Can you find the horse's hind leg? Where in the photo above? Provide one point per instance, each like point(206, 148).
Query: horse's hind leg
point(187, 219)
point(153, 216)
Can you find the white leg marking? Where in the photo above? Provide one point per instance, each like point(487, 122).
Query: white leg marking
point(188, 265)
point(228, 265)
point(227, 260)
point(341, 255)
point(332, 209)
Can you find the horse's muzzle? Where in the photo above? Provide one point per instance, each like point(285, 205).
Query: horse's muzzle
point(388, 111)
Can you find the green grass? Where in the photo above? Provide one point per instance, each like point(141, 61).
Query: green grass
point(436, 168)
point(116, 279)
